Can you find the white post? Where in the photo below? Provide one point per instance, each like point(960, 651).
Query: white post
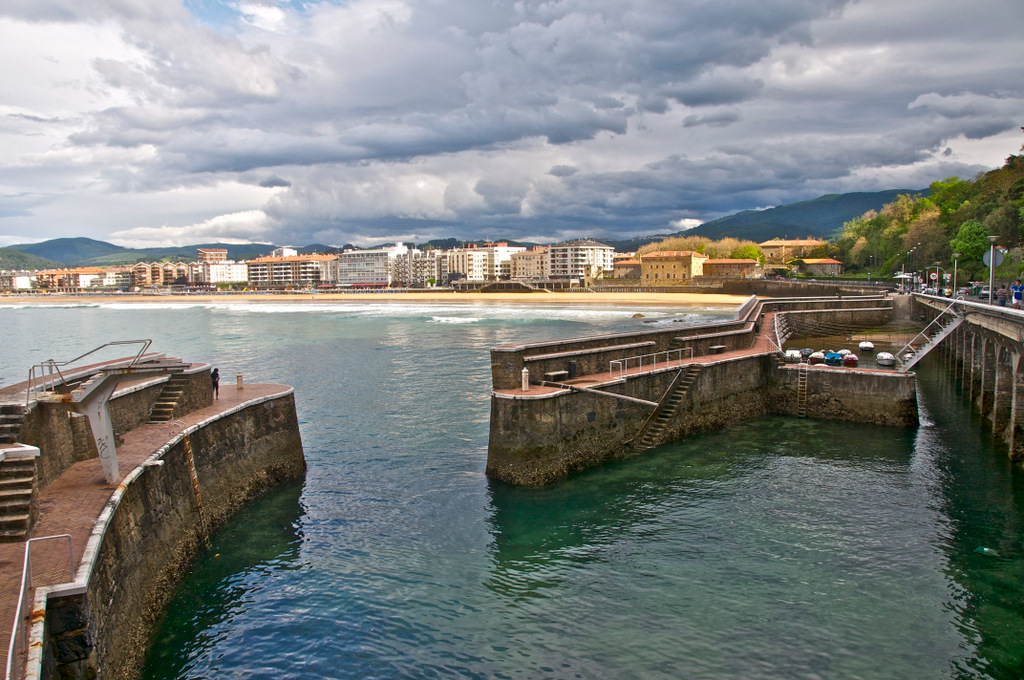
point(526, 380)
point(238, 380)
point(992, 267)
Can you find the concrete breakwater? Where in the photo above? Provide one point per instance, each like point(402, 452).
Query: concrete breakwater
point(592, 400)
point(133, 538)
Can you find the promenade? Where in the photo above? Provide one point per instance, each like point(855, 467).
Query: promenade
point(73, 502)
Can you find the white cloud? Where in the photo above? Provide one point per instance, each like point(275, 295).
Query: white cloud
point(371, 119)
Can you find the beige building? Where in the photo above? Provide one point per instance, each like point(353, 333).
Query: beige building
point(626, 268)
point(780, 251)
point(820, 266)
point(732, 268)
point(530, 264)
point(291, 270)
point(671, 267)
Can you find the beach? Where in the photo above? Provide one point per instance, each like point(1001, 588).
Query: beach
point(667, 299)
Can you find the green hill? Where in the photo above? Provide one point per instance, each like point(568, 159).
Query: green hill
point(15, 259)
point(69, 252)
point(822, 217)
point(87, 252)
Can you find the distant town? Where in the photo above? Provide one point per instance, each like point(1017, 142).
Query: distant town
point(574, 263)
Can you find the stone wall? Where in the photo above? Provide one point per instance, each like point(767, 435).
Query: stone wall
point(542, 439)
point(65, 438)
point(155, 530)
point(876, 397)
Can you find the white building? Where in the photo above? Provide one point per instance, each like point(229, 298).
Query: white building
point(580, 259)
point(421, 267)
point(17, 280)
point(369, 268)
point(471, 264)
point(212, 273)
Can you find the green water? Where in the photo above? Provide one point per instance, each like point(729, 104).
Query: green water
point(780, 548)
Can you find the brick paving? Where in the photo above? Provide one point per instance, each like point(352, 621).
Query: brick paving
point(73, 502)
point(763, 344)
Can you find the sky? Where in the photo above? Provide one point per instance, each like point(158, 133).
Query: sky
point(294, 122)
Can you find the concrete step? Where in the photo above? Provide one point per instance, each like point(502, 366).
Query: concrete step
point(15, 523)
point(8, 483)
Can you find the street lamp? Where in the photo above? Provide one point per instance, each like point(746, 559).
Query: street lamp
point(956, 256)
point(991, 266)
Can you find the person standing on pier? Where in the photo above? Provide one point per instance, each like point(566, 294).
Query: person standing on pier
point(1018, 293)
point(215, 377)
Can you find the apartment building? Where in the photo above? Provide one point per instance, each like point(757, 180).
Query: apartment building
point(530, 264)
point(292, 270)
point(369, 268)
point(159, 273)
point(579, 259)
point(79, 278)
point(421, 267)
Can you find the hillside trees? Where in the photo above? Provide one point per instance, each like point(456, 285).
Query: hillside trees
point(957, 216)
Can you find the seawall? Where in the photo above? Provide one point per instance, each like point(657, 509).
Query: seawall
point(593, 400)
point(541, 439)
point(154, 523)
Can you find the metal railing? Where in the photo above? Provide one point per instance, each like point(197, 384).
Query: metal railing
point(623, 366)
point(50, 370)
point(18, 648)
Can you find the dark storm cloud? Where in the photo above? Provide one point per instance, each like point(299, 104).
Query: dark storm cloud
point(535, 118)
point(274, 182)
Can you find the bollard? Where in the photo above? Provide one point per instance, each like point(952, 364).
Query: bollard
point(526, 380)
point(238, 380)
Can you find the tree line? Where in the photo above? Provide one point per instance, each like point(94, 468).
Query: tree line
point(957, 216)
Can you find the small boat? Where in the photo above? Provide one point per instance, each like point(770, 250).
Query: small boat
point(816, 358)
point(844, 352)
point(850, 359)
point(793, 356)
point(866, 346)
point(806, 352)
point(833, 358)
point(885, 359)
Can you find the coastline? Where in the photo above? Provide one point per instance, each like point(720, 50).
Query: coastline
point(660, 299)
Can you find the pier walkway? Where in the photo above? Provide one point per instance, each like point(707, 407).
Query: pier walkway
point(72, 503)
point(763, 343)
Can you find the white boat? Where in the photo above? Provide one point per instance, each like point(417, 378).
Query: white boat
point(844, 352)
point(866, 346)
point(885, 359)
point(793, 356)
point(816, 358)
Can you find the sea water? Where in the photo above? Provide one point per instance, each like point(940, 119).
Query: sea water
point(779, 548)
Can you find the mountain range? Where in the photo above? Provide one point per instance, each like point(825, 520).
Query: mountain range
point(822, 218)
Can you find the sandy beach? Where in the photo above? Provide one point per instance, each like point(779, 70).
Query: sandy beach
point(666, 299)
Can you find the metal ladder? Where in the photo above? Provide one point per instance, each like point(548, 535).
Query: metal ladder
point(801, 391)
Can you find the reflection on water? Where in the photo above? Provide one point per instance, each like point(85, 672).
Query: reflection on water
point(778, 548)
point(262, 539)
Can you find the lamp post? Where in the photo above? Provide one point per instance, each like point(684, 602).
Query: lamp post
point(956, 256)
point(991, 266)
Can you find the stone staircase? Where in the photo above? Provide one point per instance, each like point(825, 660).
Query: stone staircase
point(17, 498)
point(166, 406)
point(666, 411)
point(12, 417)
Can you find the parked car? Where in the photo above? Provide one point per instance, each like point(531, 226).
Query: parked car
point(983, 293)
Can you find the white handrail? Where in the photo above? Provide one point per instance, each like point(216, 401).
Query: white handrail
point(14, 650)
point(623, 364)
point(49, 367)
